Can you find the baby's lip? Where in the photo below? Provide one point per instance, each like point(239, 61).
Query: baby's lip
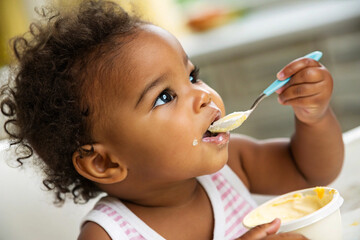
point(216, 115)
point(219, 139)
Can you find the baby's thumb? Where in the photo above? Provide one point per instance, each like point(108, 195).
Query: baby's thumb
point(262, 231)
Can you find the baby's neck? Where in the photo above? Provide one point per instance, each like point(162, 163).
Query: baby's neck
point(171, 196)
point(180, 207)
point(152, 196)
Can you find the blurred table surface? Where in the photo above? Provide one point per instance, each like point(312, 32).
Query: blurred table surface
point(348, 184)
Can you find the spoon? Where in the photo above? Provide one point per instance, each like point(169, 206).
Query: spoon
point(235, 119)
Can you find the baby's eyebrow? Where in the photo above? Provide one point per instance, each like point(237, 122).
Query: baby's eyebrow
point(157, 82)
point(149, 86)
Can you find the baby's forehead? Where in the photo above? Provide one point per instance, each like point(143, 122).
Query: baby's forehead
point(152, 43)
point(150, 52)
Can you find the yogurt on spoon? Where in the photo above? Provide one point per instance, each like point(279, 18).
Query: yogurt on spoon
point(229, 122)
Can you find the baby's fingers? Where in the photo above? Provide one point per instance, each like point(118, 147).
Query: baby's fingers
point(298, 91)
point(261, 231)
point(268, 232)
point(296, 66)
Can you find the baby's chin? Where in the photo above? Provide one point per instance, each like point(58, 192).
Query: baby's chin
point(217, 162)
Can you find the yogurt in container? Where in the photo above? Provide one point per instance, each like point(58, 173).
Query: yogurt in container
point(313, 212)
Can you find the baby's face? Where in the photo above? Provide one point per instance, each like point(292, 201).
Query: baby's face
point(159, 120)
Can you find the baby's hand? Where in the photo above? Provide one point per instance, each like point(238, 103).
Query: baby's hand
point(267, 232)
point(308, 91)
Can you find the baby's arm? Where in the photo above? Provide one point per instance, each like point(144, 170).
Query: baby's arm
point(313, 156)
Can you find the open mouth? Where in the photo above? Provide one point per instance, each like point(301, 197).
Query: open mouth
point(208, 134)
point(220, 139)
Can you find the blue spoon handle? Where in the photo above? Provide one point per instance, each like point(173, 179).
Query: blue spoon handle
point(278, 84)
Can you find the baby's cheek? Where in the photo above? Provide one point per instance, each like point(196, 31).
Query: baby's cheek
point(219, 103)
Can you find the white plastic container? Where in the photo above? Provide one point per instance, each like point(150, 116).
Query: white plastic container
point(324, 223)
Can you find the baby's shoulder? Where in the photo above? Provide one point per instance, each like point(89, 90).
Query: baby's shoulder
point(93, 231)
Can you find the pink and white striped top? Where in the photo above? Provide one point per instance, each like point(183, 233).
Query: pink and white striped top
point(229, 198)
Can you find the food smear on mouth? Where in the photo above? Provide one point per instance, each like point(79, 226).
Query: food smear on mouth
point(195, 142)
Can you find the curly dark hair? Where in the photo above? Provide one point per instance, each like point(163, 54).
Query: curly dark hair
point(48, 102)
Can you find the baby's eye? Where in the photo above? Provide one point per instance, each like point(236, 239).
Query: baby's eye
point(164, 97)
point(194, 75)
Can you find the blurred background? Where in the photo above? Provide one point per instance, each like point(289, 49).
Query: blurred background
point(239, 46)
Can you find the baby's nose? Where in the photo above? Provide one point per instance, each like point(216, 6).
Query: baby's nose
point(202, 99)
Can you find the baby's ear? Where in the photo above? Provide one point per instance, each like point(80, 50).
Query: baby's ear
point(94, 163)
